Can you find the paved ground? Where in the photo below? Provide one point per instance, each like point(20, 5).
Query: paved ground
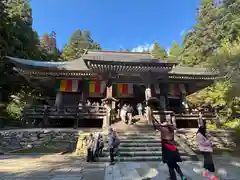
point(59, 167)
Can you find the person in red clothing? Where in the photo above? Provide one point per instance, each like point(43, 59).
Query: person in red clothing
point(170, 154)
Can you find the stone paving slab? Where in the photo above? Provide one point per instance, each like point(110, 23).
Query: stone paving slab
point(72, 168)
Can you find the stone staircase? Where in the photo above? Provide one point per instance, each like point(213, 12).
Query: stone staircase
point(140, 143)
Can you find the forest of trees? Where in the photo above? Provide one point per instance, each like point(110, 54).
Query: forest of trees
point(213, 42)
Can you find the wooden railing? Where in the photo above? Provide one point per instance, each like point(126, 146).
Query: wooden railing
point(171, 117)
point(44, 113)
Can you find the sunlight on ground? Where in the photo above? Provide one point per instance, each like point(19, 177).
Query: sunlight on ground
point(235, 163)
point(152, 172)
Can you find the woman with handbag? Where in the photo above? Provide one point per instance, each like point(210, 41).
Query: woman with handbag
point(205, 148)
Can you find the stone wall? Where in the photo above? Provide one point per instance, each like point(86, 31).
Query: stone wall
point(220, 139)
point(13, 140)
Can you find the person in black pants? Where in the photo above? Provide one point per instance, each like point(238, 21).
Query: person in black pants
point(111, 145)
point(170, 153)
point(90, 147)
point(100, 146)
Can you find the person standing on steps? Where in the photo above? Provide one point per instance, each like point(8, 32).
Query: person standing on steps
point(90, 148)
point(205, 148)
point(116, 142)
point(111, 145)
point(170, 154)
point(129, 114)
point(140, 109)
point(100, 145)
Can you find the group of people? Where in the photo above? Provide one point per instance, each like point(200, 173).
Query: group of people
point(93, 107)
point(126, 112)
point(95, 146)
point(171, 156)
point(170, 153)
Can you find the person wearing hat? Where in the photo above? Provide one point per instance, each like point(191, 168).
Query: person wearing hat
point(170, 154)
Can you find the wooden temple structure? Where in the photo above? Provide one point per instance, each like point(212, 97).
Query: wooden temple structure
point(110, 77)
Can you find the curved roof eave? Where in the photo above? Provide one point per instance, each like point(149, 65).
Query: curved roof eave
point(74, 65)
point(183, 70)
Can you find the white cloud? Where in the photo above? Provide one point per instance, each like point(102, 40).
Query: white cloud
point(142, 48)
point(182, 32)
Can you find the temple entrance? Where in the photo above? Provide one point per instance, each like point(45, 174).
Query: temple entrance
point(91, 123)
point(174, 104)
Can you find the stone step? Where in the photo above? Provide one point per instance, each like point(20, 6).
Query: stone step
point(136, 141)
point(136, 153)
point(134, 144)
point(140, 149)
point(154, 137)
point(139, 131)
point(124, 149)
point(139, 158)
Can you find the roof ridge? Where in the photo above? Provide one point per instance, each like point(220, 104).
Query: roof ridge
point(119, 52)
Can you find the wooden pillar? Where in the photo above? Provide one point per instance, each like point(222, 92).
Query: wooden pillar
point(58, 100)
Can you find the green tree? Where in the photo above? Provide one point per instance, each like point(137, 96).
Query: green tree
point(18, 39)
point(230, 19)
point(175, 51)
point(205, 37)
point(158, 52)
point(48, 47)
point(79, 41)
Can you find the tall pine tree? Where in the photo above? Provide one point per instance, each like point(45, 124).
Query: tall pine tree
point(79, 41)
point(203, 40)
point(158, 52)
point(175, 52)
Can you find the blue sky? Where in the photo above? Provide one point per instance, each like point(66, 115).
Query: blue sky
point(116, 24)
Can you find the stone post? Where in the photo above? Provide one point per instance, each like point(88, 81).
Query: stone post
point(183, 97)
point(108, 105)
point(174, 121)
point(148, 95)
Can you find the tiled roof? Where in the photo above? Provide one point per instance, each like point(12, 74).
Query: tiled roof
point(74, 65)
point(123, 57)
point(191, 71)
point(144, 59)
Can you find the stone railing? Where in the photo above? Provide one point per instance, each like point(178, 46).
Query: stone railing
point(220, 139)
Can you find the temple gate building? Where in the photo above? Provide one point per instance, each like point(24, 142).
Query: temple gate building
point(117, 77)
